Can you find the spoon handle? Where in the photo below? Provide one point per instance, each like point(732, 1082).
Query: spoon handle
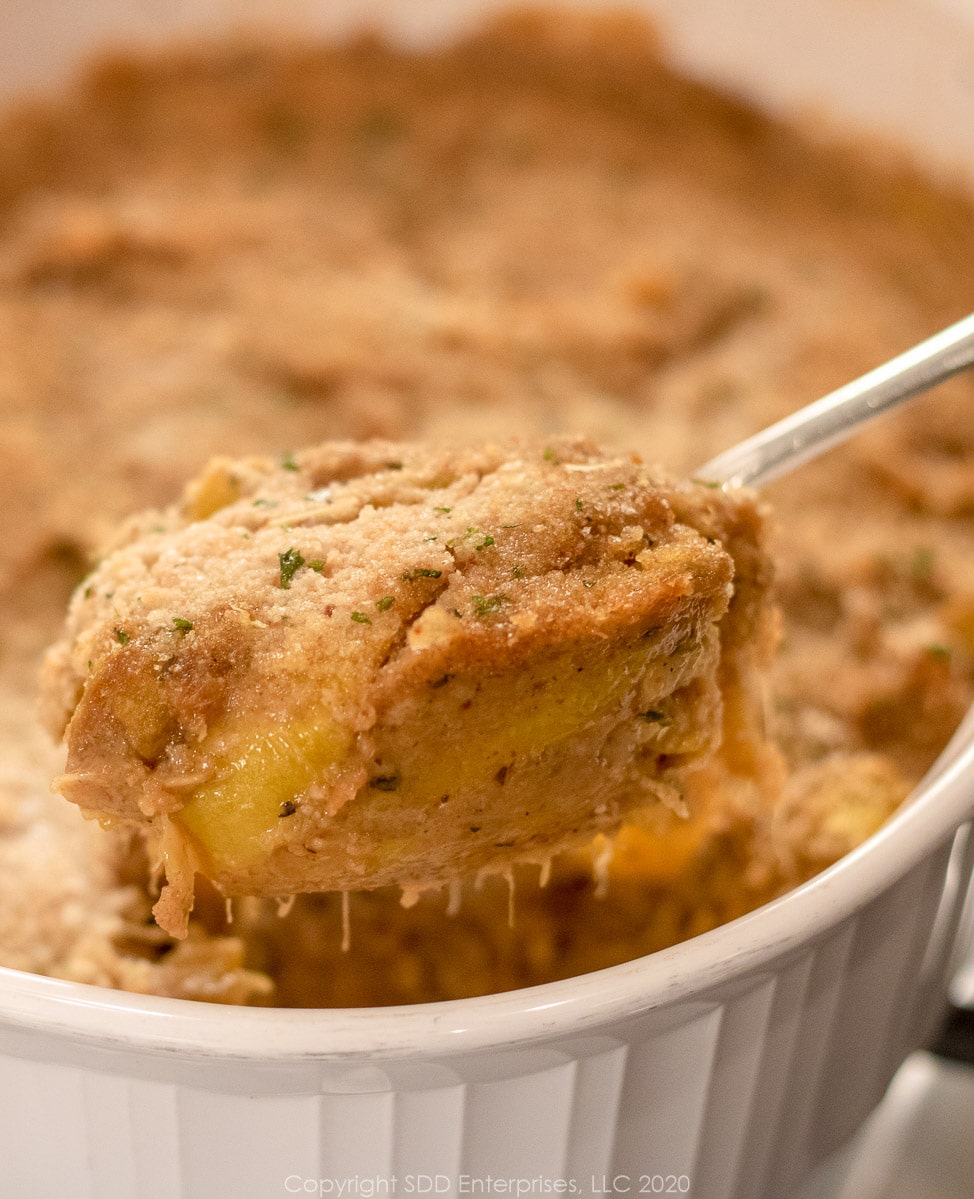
point(820, 425)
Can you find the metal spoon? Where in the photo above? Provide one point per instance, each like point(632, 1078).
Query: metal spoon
point(826, 422)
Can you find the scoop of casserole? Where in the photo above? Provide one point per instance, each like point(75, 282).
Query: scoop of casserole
point(373, 664)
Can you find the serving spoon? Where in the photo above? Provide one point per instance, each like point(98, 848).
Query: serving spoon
point(812, 430)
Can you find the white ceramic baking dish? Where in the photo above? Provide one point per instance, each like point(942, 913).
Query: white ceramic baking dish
point(729, 1066)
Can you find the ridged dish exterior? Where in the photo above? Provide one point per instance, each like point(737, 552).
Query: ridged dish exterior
point(741, 1090)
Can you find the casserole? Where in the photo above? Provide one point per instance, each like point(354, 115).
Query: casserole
point(730, 1065)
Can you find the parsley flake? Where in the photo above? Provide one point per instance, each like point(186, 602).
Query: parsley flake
point(445, 511)
point(182, 624)
point(287, 461)
point(385, 603)
point(317, 565)
point(420, 572)
point(122, 637)
point(484, 604)
point(385, 782)
point(653, 716)
point(473, 531)
point(360, 618)
point(291, 562)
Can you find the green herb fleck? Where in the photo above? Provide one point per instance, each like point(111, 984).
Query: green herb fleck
point(711, 483)
point(385, 782)
point(288, 808)
point(393, 466)
point(360, 618)
point(89, 591)
point(550, 455)
point(262, 503)
point(517, 526)
point(940, 652)
point(578, 505)
point(517, 573)
point(317, 565)
point(291, 562)
point(653, 716)
point(473, 531)
point(445, 511)
point(122, 637)
point(385, 603)
point(182, 624)
point(433, 538)
point(420, 572)
point(287, 461)
point(618, 487)
point(484, 604)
